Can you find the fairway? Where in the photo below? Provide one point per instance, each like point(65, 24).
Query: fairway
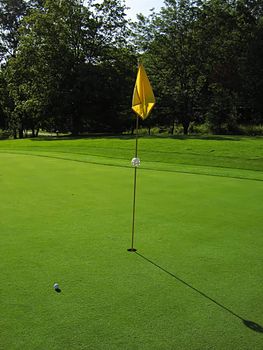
point(66, 214)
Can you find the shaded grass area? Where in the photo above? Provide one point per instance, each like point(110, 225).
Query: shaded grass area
point(69, 222)
point(240, 157)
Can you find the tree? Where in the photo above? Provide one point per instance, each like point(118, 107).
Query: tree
point(3, 101)
point(251, 67)
point(11, 14)
point(205, 59)
point(66, 70)
point(174, 59)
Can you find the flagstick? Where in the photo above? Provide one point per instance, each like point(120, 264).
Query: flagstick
point(132, 249)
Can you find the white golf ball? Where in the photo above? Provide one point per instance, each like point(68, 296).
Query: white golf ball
point(135, 162)
point(56, 286)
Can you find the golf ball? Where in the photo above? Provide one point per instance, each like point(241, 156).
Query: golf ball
point(56, 286)
point(136, 162)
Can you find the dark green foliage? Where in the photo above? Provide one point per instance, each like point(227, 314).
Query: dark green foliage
point(11, 13)
point(72, 71)
point(71, 66)
point(205, 60)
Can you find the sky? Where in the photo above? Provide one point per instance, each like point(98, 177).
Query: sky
point(142, 6)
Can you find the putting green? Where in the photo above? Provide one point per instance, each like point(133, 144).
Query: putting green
point(197, 274)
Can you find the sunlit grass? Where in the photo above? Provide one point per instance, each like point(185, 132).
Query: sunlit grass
point(66, 210)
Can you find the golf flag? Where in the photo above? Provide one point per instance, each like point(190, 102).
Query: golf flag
point(143, 98)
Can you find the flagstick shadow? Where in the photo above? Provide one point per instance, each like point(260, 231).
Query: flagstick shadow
point(250, 324)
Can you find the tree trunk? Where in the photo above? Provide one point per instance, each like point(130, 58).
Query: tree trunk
point(186, 124)
point(20, 133)
point(171, 130)
point(172, 126)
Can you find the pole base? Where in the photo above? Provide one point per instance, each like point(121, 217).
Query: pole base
point(132, 250)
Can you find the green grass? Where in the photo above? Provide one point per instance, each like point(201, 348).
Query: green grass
point(66, 212)
point(240, 157)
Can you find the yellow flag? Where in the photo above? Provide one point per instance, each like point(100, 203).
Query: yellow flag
point(143, 98)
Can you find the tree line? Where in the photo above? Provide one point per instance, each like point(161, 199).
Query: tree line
point(70, 65)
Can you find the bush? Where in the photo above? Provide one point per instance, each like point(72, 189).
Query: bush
point(251, 130)
point(4, 134)
point(202, 129)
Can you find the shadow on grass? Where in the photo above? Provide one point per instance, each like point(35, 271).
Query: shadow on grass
point(79, 137)
point(133, 136)
point(205, 137)
point(128, 166)
point(250, 324)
